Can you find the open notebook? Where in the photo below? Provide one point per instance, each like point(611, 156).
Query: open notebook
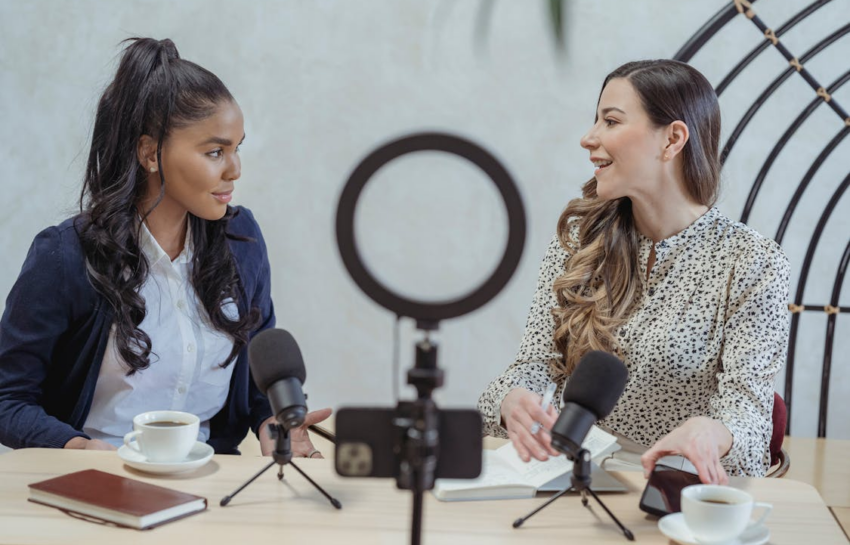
point(505, 476)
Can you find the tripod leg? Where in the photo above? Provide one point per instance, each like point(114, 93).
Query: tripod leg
point(280, 472)
point(628, 533)
point(335, 502)
point(225, 500)
point(519, 522)
point(584, 498)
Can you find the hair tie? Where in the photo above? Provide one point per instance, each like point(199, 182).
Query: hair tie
point(170, 50)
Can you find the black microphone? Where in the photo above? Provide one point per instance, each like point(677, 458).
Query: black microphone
point(591, 393)
point(279, 373)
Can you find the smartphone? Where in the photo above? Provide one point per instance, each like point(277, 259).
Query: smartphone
point(369, 442)
point(663, 490)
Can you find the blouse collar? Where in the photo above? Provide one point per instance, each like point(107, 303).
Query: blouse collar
point(695, 230)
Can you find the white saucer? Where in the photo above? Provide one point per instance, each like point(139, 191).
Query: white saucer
point(674, 527)
point(200, 454)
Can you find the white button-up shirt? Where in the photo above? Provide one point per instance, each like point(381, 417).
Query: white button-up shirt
point(185, 372)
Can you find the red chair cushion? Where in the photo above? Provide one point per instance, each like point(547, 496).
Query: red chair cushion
point(780, 419)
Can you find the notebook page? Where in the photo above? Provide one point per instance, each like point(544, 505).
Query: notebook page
point(495, 472)
point(537, 473)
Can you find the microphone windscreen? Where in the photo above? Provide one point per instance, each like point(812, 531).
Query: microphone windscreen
point(597, 383)
point(273, 355)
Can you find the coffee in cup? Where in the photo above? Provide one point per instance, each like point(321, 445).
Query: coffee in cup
point(163, 436)
point(166, 424)
point(718, 514)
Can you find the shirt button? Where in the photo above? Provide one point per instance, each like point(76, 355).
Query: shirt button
point(190, 347)
point(181, 303)
point(182, 389)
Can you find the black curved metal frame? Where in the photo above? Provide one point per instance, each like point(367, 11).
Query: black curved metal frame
point(824, 96)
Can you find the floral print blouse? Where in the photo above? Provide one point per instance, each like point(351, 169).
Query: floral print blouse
point(706, 338)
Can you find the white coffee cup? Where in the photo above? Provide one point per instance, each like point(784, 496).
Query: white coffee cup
point(163, 436)
point(718, 514)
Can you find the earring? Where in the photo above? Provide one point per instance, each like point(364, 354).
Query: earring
point(153, 169)
point(664, 157)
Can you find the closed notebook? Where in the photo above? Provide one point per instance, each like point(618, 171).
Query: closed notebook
point(505, 476)
point(116, 499)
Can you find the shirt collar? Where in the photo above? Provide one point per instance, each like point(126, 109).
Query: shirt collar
point(154, 252)
point(683, 237)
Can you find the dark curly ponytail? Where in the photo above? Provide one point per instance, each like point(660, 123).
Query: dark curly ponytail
point(154, 91)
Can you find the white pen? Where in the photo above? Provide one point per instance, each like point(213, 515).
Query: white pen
point(547, 400)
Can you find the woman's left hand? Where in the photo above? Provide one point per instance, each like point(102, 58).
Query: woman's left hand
point(302, 447)
point(702, 440)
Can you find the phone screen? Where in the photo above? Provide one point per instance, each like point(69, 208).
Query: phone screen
point(664, 488)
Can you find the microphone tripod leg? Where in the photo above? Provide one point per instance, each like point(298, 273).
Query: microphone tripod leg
point(225, 500)
point(335, 502)
point(519, 522)
point(626, 532)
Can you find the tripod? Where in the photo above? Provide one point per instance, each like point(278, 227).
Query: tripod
point(282, 455)
point(580, 480)
point(421, 442)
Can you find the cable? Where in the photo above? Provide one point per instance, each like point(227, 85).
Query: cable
point(395, 356)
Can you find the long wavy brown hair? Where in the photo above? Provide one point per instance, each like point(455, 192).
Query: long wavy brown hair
point(601, 281)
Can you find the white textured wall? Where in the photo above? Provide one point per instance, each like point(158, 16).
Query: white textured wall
point(321, 83)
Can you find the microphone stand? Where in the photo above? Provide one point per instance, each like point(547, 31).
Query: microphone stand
point(282, 455)
point(580, 480)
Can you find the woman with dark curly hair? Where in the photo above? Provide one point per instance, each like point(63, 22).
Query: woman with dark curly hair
point(148, 298)
point(645, 267)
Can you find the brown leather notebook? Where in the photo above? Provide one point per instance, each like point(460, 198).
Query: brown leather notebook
point(105, 497)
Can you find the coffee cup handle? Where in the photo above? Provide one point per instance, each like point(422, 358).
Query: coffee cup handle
point(128, 440)
point(767, 509)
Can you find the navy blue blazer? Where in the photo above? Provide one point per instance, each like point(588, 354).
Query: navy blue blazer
point(54, 331)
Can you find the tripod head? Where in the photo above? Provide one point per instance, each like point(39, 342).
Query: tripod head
point(580, 477)
point(282, 454)
point(420, 432)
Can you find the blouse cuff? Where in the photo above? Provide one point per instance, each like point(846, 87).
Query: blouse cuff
point(744, 457)
point(490, 402)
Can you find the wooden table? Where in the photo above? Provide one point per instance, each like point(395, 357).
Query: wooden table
point(374, 511)
point(825, 464)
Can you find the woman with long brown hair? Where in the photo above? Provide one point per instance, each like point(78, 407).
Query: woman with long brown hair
point(645, 267)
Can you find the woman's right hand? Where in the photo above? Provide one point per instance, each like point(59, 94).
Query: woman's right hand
point(82, 443)
point(520, 410)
